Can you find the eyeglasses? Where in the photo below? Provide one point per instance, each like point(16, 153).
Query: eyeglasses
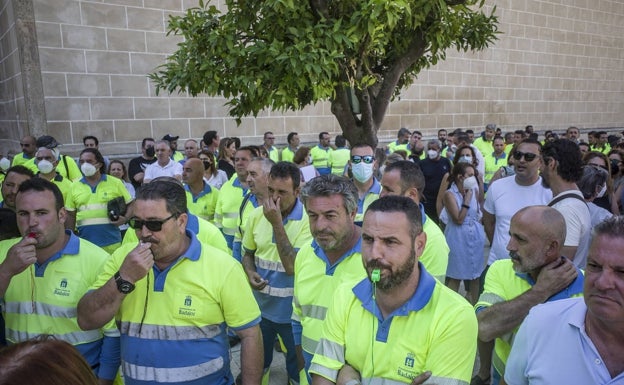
point(368, 159)
point(528, 156)
point(152, 225)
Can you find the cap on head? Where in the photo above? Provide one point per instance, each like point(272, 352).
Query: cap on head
point(170, 138)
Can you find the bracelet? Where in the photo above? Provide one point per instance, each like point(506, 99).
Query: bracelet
point(466, 206)
point(353, 382)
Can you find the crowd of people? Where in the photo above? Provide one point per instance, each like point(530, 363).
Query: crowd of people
point(349, 259)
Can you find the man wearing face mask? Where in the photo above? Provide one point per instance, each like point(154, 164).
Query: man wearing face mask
point(46, 161)
point(363, 166)
point(137, 166)
point(66, 166)
point(87, 204)
point(434, 167)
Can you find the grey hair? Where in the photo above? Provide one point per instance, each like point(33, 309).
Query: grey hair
point(592, 177)
point(436, 142)
point(611, 227)
point(328, 185)
point(265, 164)
point(167, 188)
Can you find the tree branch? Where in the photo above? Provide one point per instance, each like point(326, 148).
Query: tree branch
point(390, 80)
point(455, 2)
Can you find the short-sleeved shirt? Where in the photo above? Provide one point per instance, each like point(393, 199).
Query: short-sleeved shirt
point(552, 347)
point(339, 159)
point(90, 205)
point(288, 154)
point(321, 159)
point(503, 284)
point(275, 299)
point(155, 170)
point(436, 252)
point(203, 204)
point(173, 325)
point(227, 210)
point(578, 224)
point(371, 195)
point(42, 299)
point(435, 330)
point(505, 197)
point(136, 166)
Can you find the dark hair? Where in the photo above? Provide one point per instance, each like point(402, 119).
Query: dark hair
point(267, 133)
point(469, 131)
point(410, 175)
point(290, 136)
point(460, 169)
point(568, 157)
point(253, 150)
point(19, 169)
point(213, 166)
point(301, 154)
point(285, 170)
point(401, 204)
point(8, 224)
point(403, 131)
point(533, 141)
point(223, 144)
point(475, 160)
point(362, 145)
point(439, 131)
point(328, 185)
point(612, 227)
point(209, 136)
point(84, 140)
point(237, 142)
point(167, 188)
point(44, 360)
point(123, 167)
point(145, 140)
point(323, 133)
point(340, 141)
point(41, 185)
point(98, 157)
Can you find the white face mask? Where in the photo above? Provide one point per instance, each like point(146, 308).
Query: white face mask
point(362, 172)
point(45, 167)
point(465, 159)
point(88, 169)
point(470, 183)
point(5, 164)
point(602, 191)
point(432, 154)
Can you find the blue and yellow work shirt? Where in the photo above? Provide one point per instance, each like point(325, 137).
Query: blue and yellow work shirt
point(63, 184)
point(206, 232)
point(250, 202)
point(371, 195)
point(339, 159)
point(173, 325)
point(22, 159)
point(274, 154)
point(316, 280)
point(321, 159)
point(90, 205)
point(203, 204)
point(288, 154)
point(492, 164)
point(395, 146)
point(275, 299)
point(436, 251)
point(227, 210)
point(435, 330)
point(503, 284)
point(42, 300)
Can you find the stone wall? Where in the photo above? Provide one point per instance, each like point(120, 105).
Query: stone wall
point(556, 64)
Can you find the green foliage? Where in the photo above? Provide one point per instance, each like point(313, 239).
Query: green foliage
point(286, 54)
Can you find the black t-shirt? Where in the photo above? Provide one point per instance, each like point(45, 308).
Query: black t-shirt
point(434, 172)
point(227, 167)
point(136, 166)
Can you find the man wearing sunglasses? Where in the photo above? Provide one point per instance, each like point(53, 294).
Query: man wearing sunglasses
point(363, 166)
point(561, 168)
point(173, 298)
point(505, 197)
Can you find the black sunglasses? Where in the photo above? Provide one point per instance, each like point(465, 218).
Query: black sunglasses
point(368, 159)
point(528, 156)
point(152, 225)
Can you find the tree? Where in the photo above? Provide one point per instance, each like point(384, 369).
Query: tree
point(287, 54)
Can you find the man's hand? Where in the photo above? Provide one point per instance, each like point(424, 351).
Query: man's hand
point(256, 281)
point(421, 378)
point(137, 263)
point(20, 256)
point(346, 374)
point(271, 209)
point(556, 276)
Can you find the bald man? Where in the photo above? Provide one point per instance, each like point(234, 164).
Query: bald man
point(535, 273)
point(201, 198)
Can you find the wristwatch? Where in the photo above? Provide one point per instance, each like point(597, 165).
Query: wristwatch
point(123, 286)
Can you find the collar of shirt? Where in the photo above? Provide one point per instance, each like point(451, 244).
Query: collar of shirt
point(237, 183)
point(426, 285)
point(205, 191)
point(192, 224)
point(296, 213)
point(72, 247)
point(576, 287)
point(329, 268)
point(102, 177)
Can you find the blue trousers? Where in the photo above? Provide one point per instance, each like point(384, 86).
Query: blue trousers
point(270, 330)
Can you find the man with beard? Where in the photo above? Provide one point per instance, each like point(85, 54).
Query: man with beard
point(399, 323)
point(585, 345)
point(535, 273)
point(173, 297)
point(15, 176)
point(561, 168)
point(333, 257)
